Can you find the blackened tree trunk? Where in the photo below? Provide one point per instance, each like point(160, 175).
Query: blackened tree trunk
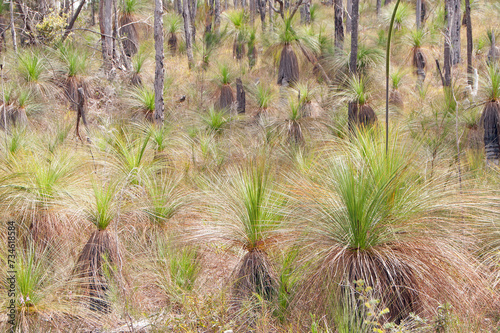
point(377, 7)
point(187, 33)
point(470, 70)
point(92, 12)
point(262, 10)
point(447, 41)
point(159, 70)
point(352, 112)
point(240, 96)
point(339, 27)
point(105, 25)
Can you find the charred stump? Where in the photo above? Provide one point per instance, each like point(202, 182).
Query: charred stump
point(490, 120)
point(240, 96)
point(226, 97)
point(289, 66)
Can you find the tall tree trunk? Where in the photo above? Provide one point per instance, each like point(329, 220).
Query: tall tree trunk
point(305, 13)
point(348, 16)
point(447, 40)
point(13, 27)
point(262, 9)
point(252, 11)
point(105, 24)
point(271, 15)
point(179, 6)
point(193, 6)
point(470, 70)
point(217, 16)
point(456, 23)
point(73, 20)
point(377, 7)
point(418, 14)
point(339, 27)
point(352, 113)
point(159, 70)
point(236, 4)
point(92, 13)
point(187, 32)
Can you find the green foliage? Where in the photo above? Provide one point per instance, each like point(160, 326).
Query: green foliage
point(130, 7)
point(396, 78)
point(52, 26)
point(225, 75)
point(74, 59)
point(144, 98)
point(264, 95)
point(215, 120)
point(103, 208)
point(417, 37)
point(31, 66)
point(492, 87)
point(173, 23)
point(403, 13)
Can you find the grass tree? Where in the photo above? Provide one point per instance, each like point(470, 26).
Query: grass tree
point(226, 94)
point(395, 97)
point(128, 29)
point(31, 68)
point(248, 218)
point(491, 116)
point(173, 26)
point(101, 248)
point(239, 27)
point(369, 215)
point(75, 65)
point(358, 92)
point(264, 96)
point(419, 60)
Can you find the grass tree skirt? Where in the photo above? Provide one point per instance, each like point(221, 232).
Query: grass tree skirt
point(366, 115)
point(289, 66)
point(226, 98)
point(129, 33)
point(172, 43)
point(255, 274)
point(90, 268)
point(490, 120)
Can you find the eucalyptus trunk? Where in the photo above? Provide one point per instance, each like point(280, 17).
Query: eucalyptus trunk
point(348, 16)
point(352, 113)
point(470, 70)
point(447, 42)
point(159, 69)
point(339, 27)
point(187, 32)
point(106, 27)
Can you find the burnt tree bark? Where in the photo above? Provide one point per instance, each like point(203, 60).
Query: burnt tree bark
point(305, 13)
point(105, 25)
point(348, 16)
point(447, 43)
point(352, 113)
point(339, 27)
point(470, 70)
point(262, 10)
point(187, 32)
point(159, 69)
point(240, 97)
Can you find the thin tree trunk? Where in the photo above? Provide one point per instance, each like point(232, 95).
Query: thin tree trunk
point(12, 29)
point(377, 7)
point(470, 70)
point(192, 16)
point(447, 47)
point(217, 16)
point(240, 96)
point(187, 32)
point(73, 20)
point(354, 37)
point(456, 23)
point(92, 13)
point(305, 13)
point(339, 27)
point(159, 69)
point(262, 9)
point(105, 25)
point(418, 14)
point(348, 16)
point(252, 11)
point(352, 107)
point(271, 15)
point(235, 4)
